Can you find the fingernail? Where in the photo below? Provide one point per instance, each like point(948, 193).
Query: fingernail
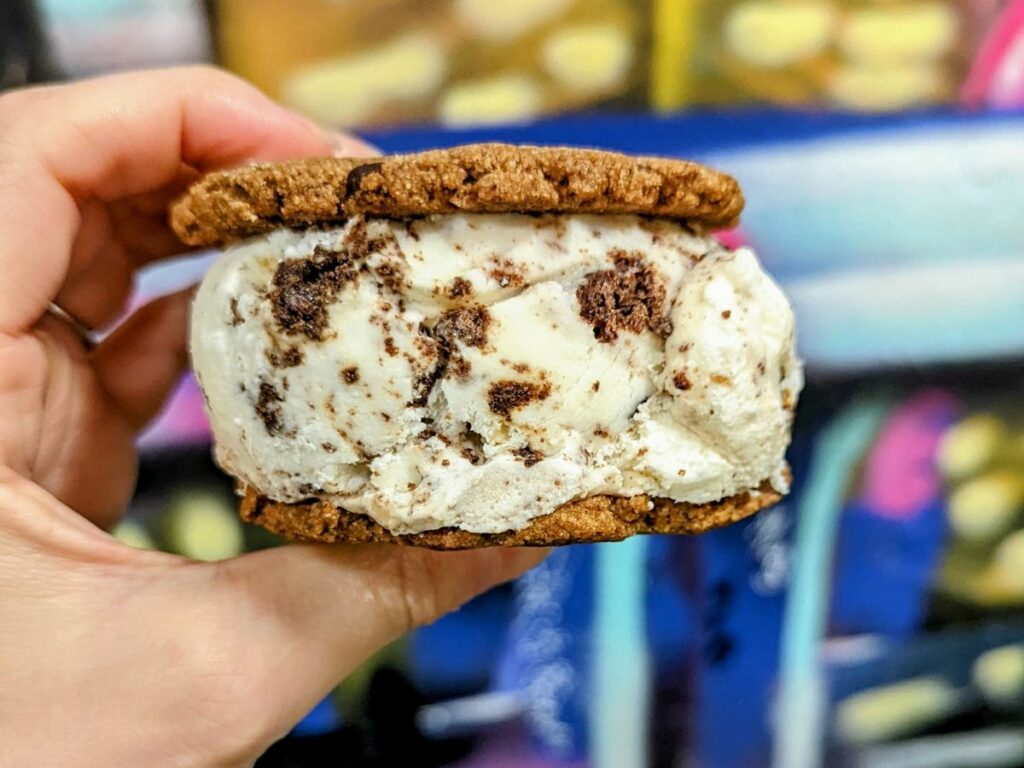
point(346, 145)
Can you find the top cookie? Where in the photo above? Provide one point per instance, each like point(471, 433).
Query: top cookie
point(477, 178)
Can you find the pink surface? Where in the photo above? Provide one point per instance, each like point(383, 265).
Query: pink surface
point(901, 474)
point(996, 78)
point(182, 422)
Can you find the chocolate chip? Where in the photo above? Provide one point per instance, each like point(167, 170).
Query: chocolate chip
point(596, 386)
point(681, 380)
point(354, 182)
point(390, 347)
point(726, 314)
point(350, 375)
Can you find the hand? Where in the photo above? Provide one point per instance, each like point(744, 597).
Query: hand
point(111, 656)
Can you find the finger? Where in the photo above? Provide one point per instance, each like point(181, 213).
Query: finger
point(82, 446)
point(142, 360)
point(111, 138)
point(311, 614)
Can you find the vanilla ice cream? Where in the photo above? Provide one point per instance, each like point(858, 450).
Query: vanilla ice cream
point(478, 370)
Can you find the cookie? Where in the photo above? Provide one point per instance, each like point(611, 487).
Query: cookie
point(482, 178)
point(597, 518)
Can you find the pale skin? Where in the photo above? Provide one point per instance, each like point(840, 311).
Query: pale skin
point(112, 656)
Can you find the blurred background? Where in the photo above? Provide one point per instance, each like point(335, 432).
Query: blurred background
point(876, 617)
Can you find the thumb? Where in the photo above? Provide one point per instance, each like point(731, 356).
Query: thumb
point(308, 615)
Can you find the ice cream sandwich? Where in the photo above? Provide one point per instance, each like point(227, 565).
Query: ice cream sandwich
point(489, 345)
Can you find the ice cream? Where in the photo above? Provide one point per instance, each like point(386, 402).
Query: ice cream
point(476, 371)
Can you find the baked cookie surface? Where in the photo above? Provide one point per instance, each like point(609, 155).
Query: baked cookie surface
point(480, 178)
point(597, 518)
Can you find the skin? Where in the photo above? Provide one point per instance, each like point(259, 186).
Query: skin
point(109, 655)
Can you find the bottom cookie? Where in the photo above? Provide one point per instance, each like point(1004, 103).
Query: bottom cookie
point(596, 518)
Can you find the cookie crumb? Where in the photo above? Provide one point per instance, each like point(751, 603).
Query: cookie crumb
point(459, 288)
point(630, 297)
point(529, 455)
point(268, 408)
point(467, 324)
point(505, 396)
point(304, 288)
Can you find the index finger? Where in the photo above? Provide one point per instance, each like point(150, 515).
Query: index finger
point(64, 147)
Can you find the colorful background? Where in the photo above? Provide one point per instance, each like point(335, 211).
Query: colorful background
point(876, 617)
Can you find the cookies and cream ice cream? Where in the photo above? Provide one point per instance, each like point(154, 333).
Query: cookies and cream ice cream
point(477, 370)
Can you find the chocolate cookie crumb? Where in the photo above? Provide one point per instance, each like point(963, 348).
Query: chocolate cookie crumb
point(350, 375)
point(529, 455)
point(459, 287)
point(392, 276)
point(458, 367)
point(505, 396)
point(506, 273)
point(468, 325)
point(596, 386)
point(390, 347)
point(423, 384)
point(268, 408)
point(681, 380)
point(236, 316)
point(630, 297)
point(289, 358)
point(303, 289)
point(726, 314)
point(328, 447)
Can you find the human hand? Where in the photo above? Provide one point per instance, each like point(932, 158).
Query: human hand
point(112, 656)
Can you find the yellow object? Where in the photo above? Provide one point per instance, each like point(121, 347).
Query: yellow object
point(132, 534)
point(591, 57)
point(881, 714)
point(899, 34)
point(507, 19)
point(986, 507)
point(509, 98)
point(674, 27)
point(771, 33)
point(1008, 562)
point(971, 445)
point(203, 526)
point(884, 89)
point(347, 91)
point(999, 675)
